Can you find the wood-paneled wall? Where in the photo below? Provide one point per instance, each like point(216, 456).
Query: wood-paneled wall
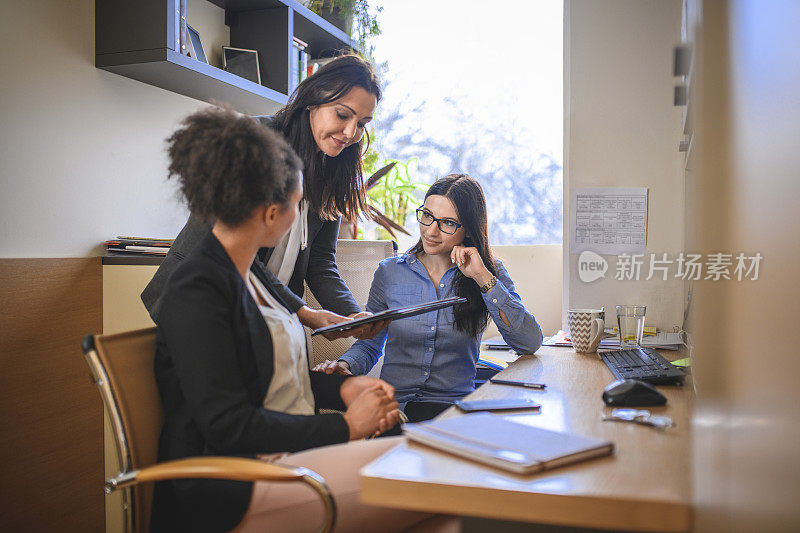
point(745, 359)
point(51, 425)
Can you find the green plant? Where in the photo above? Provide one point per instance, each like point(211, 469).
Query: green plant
point(390, 193)
point(359, 21)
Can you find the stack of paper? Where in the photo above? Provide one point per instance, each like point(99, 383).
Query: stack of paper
point(138, 245)
point(663, 340)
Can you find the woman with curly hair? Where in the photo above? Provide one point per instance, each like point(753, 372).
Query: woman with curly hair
point(325, 123)
point(231, 359)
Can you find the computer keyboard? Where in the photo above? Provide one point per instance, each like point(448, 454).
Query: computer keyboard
point(642, 363)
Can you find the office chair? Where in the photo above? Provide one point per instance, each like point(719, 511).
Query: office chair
point(122, 367)
point(357, 262)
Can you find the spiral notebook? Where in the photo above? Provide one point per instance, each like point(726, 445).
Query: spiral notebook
point(499, 441)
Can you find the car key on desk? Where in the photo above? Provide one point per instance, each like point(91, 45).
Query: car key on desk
point(639, 416)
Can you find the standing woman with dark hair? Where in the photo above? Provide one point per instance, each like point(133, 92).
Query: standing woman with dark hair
point(430, 359)
point(325, 123)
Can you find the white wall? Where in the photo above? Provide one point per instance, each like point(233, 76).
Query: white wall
point(621, 130)
point(536, 273)
point(82, 154)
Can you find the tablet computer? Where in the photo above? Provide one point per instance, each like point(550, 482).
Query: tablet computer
point(393, 314)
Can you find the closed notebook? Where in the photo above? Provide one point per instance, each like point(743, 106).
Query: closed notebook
point(500, 442)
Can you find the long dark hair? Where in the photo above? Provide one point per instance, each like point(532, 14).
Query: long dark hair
point(467, 197)
point(332, 186)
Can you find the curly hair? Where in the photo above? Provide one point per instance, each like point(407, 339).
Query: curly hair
point(227, 165)
point(332, 186)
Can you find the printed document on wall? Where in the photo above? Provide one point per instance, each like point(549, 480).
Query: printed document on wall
point(609, 221)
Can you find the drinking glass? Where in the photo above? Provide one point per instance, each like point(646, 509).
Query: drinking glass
point(630, 322)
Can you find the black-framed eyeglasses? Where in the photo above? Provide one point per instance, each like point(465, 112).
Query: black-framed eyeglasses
point(446, 225)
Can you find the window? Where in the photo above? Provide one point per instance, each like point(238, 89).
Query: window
point(477, 89)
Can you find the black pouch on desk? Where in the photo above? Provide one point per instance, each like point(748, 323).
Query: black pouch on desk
point(483, 373)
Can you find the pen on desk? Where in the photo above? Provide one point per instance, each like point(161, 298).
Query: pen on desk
point(539, 386)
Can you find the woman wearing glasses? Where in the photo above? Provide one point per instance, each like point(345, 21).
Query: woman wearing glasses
point(430, 359)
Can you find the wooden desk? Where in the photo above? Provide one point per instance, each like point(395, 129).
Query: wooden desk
point(644, 486)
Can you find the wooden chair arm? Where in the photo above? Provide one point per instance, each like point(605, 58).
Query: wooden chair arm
point(232, 468)
point(235, 468)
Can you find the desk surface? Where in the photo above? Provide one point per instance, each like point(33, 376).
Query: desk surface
point(644, 486)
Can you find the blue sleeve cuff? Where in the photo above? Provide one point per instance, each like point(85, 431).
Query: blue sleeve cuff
point(355, 368)
point(360, 358)
point(497, 296)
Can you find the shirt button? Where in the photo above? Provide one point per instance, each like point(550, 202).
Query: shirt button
point(433, 328)
point(425, 373)
point(441, 285)
point(494, 300)
point(430, 349)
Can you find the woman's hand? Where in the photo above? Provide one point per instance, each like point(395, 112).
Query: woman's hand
point(367, 331)
point(354, 386)
point(371, 412)
point(333, 367)
point(469, 262)
point(320, 318)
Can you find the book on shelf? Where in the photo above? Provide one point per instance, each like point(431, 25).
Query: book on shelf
point(138, 245)
point(299, 64)
point(303, 65)
point(182, 28)
point(315, 64)
point(503, 443)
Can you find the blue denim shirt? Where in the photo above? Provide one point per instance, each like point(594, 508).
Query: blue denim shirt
point(426, 358)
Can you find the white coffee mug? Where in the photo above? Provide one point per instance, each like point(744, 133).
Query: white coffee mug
point(586, 329)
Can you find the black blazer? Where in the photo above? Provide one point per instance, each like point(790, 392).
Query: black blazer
point(213, 365)
point(316, 265)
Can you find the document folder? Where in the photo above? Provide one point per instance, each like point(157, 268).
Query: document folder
point(500, 442)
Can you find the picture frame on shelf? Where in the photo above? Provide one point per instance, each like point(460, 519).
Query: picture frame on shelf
point(242, 62)
point(195, 45)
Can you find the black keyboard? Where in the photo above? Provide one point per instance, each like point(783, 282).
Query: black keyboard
point(642, 363)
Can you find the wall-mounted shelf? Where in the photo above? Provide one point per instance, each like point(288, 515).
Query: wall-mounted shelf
point(137, 40)
point(184, 75)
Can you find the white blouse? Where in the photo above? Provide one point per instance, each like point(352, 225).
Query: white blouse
point(284, 255)
point(290, 387)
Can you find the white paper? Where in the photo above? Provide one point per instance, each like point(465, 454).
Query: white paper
point(609, 221)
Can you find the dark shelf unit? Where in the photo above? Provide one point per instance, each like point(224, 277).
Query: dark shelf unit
point(137, 40)
point(131, 259)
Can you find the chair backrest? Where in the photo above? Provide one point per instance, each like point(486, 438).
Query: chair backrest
point(122, 364)
point(357, 261)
